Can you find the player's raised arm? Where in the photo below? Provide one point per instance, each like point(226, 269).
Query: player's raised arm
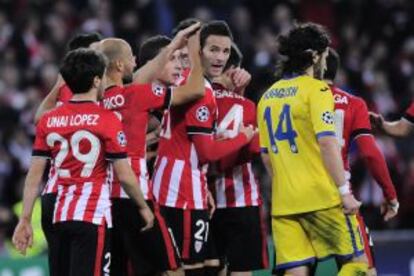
point(148, 72)
point(194, 87)
point(50, 100)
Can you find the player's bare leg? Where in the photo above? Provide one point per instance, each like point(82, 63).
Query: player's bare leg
point(357, 266)
point(244, 273)
point(297, 271)
point(178, 272)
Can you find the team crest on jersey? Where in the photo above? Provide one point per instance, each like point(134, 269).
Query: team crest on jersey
point(202, 114)
point(197, 246)
point(328, 117)
point(157, 89)
point(121, 139)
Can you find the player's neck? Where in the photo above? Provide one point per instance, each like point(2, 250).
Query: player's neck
point(91, 95)
point(113, 79)
point(328, 81)
point(310, 71)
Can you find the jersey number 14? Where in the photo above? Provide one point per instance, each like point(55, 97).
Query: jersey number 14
point(284, 130)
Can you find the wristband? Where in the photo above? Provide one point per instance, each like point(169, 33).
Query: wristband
point(345, 189)
point(394, 207)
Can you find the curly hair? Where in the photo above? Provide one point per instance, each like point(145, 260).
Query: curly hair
point(299, 45)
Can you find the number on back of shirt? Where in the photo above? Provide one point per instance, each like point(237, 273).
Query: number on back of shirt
point(230, 125)
point(88, 159)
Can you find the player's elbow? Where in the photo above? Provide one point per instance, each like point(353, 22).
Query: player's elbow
point(327, 143)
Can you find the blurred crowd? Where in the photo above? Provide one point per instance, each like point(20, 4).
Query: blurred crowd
point(375, 40)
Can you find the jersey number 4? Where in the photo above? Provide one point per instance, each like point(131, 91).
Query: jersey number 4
point(235, 116)
point(88, 159)
point(284, 130)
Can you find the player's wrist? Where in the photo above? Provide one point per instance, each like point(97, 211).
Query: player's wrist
point(345, 189)
point(393, 205)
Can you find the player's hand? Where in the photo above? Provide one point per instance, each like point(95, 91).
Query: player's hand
point(193, 45)
point(241, 79)
point(211, 204)
point(148, 217)
point(389, 209)
point(249, 131)
point(23, 236)
point(350, 204)
point(377, 121)
point(182, 36)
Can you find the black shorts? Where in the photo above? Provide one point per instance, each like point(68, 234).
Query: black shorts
point(48, 205)
point(239, 238)
point(83, 249)
point(190, 230)
point(147, 252)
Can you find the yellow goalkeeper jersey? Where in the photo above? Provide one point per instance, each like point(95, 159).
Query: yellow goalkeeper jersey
point(292, 114)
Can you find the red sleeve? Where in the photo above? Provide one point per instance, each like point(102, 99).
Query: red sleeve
point(377, 166)
point(114, 138)
point(360, 124)
point(40, 147)
point(409, 113)
point(201, 115)
point(65, 94)
point(150, 96)
point(210, 150)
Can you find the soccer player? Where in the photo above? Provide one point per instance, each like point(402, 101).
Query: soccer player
point(312, 203)
point(154, 251)
point(186, 146)
point(237, 226)
point(58, 95)
point(402, 127)
point(352, 124)
point(81, 138)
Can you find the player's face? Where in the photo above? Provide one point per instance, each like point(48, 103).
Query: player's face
point(172, 69)
point(320, 65)
point(185, 57)
point(128, 59)
point(215, 53)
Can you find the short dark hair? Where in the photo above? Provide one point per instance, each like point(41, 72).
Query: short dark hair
point(80, 67)
point(215, 27)
point(298, 45)
point(83, 40)
point(151, 47)
point(235, 58)
point(183, 24)
point(332, 65)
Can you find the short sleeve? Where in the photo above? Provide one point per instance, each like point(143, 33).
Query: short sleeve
point(40, 147)
point(360, 124)
point(115, 141)
point(263, 130)
point(200, 117)
point(409, 113)
point(321, 106)
point(150, 97)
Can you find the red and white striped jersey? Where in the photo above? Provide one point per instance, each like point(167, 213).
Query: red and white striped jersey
point(133, 103)
point(409, 113)
point(351, 120)
point(179, 178)
point(235, 184)
point(80, 137)
point(64, 95)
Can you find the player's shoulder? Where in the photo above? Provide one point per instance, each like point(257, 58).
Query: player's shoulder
point(314, 84)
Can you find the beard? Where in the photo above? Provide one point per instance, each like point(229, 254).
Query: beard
point(127, 78)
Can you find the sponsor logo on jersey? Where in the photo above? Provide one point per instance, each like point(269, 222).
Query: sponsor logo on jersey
point(340, 99)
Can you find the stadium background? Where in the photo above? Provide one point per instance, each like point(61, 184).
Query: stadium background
point(375, 39)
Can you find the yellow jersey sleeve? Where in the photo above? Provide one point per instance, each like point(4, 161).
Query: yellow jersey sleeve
point(321, 104)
